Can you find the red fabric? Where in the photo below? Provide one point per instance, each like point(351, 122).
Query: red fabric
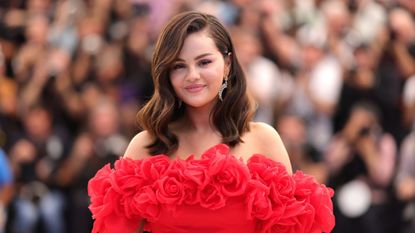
point(217, 193)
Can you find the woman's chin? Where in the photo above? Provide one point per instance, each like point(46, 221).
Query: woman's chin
point(200, 104)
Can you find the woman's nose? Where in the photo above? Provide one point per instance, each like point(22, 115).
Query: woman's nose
point(192, 74)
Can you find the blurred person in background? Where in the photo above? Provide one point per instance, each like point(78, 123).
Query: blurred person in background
point(12, 23)
point(6, 186)
point(408, 4)
point(35, 156)
point(359, 85)
point(108, 69)
point(408, 99)
point(405, 181)
point(361, 161)
point(277, 25)
point(137, 50)
point(9, 118)
point(35, 48)
point(336, 25)
point(396, 65)
point(368, 18)
point(137, 85)
point(99, 143)
point(303, 155)
point(405, 178)
point(317, 86)
point(267, 84)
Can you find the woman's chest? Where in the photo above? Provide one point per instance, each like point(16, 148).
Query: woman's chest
point(198, 145)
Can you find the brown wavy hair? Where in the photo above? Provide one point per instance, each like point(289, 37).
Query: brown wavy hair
point(231, 117)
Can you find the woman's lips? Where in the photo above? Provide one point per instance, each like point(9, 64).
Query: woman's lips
point(194, 88)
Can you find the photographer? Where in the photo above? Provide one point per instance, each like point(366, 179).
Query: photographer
point(95, 146)
point(361, 160)
point(35, 156)
point(405, 181)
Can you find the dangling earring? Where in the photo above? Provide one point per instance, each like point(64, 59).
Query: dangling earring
point(222, 88)
point(179, 103)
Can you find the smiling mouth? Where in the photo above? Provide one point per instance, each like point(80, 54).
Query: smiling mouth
point(195, 88)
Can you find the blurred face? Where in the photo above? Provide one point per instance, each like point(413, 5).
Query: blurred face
point(38, 123)
point(360, 118)
point(104, 120)
point(292, 130)
point(197, 74)
point(247, 47)
point(364, 58)
point(403, 25)
point(38, 5)
point(311, 56)
point(37, 29)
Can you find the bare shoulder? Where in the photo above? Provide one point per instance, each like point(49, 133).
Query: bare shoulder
point(137, 147)
point(268, 142)
point(262, 129)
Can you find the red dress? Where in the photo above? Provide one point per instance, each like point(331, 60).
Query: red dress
point(217, 194)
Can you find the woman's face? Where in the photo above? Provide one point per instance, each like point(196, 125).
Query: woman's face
point(197, 74)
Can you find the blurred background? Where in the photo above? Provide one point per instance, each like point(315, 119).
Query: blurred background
point(336, 78)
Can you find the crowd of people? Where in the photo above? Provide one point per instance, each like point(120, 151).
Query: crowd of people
point(336, 78)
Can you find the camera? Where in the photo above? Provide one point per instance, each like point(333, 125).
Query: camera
point(363, 132)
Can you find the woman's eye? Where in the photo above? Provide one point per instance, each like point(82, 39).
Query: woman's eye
point(205, 62)
point(178, 66)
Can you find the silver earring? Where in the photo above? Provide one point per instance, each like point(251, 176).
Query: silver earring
point(222, 88)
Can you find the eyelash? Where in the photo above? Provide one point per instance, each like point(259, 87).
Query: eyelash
point(205, 62)
point(202, 62)
point(178, 66)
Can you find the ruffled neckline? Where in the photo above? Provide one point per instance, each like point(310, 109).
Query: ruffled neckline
point(140, 189)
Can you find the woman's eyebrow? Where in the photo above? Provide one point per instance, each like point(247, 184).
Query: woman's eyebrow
point(196, 58)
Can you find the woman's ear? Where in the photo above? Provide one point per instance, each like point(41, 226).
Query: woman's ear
point(228, 62)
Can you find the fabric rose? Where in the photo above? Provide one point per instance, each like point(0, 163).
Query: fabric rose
point(127, 176)
point(297, 218)
point(154, 167)
point(257, 201)
point(262, 168)
point(170, 190)
point(177, 168)
point(319, 197)
point(282, 186)
point(211, 197)
point(196, 171)
point(97, 188)
point(191, 192)
point(106, 205)
point(128, 179)
point(230, 174)
point(274, 175)
point(146, 204)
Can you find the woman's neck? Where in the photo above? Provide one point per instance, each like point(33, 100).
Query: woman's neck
point(198, 119)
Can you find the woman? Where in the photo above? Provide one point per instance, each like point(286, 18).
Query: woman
point(214, 170)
